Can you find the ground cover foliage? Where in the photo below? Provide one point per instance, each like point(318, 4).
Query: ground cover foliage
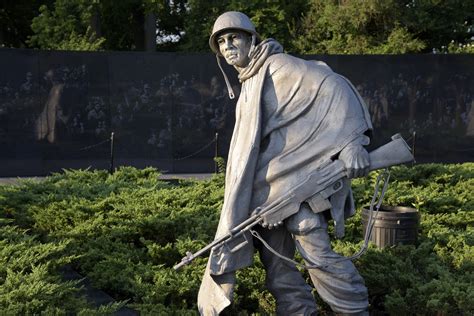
point(125, 232)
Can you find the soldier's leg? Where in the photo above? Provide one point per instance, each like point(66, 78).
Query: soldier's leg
point(339, 284)
point(292, 294)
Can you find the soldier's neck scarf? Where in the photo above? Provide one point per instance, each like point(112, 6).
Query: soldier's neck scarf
point(262, 51)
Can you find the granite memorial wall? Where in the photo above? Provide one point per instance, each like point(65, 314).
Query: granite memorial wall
point(58, 109)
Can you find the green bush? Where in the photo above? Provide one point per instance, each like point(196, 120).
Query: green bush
point(125, 232)
point(30, 278)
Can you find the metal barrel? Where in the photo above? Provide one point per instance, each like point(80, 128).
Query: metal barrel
point(393, 225)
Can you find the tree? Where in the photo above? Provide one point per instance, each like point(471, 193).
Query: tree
point(107, 24)
point(445, 26)
point(66, 26)
point(122, 24)
point(302, 26)
point(199, 18)
point(271, 18)
point(354, 27)
point(170, 19)
point(383, 26)
point(15, 21)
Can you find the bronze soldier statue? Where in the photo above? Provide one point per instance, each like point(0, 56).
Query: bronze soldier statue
point(292, 115)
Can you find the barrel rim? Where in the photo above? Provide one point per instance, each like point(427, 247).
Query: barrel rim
point(394, 209)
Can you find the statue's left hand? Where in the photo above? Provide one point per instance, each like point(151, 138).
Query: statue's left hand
point(265, 224)
point(356, 160)
point(271, 226)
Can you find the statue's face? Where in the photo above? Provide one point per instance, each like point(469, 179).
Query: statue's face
point(235, 46)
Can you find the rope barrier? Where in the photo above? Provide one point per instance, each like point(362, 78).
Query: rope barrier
point(108, 140)
point(95, 145)
point(196, 152)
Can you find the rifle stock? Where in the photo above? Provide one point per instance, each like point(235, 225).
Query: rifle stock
point(393, 153)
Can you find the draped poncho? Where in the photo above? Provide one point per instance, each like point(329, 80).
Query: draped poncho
point(292, 115)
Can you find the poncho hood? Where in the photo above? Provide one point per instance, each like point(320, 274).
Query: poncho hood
point(258, 57)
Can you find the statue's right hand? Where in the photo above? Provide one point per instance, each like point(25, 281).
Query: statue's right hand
point(356, 160)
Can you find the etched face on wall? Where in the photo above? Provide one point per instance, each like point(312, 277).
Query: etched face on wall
point(234, 46)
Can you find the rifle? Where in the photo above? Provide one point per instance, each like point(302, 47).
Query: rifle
point(316, 188)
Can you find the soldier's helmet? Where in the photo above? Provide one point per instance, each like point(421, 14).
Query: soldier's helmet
point(231, 20)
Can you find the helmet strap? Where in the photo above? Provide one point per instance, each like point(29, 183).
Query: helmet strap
point(252, 46)
point(229, 87)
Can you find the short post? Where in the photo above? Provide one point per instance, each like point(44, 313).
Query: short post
point(111, 171)
point(413, 145)
point(216, 152)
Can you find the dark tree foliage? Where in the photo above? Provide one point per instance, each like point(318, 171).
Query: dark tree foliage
point(15, 21)
point(273, 19)
point(442, 25)
point(385, 27)
point(302, 26)
point(122, 23)
point(66, 25)
point(105, 24)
